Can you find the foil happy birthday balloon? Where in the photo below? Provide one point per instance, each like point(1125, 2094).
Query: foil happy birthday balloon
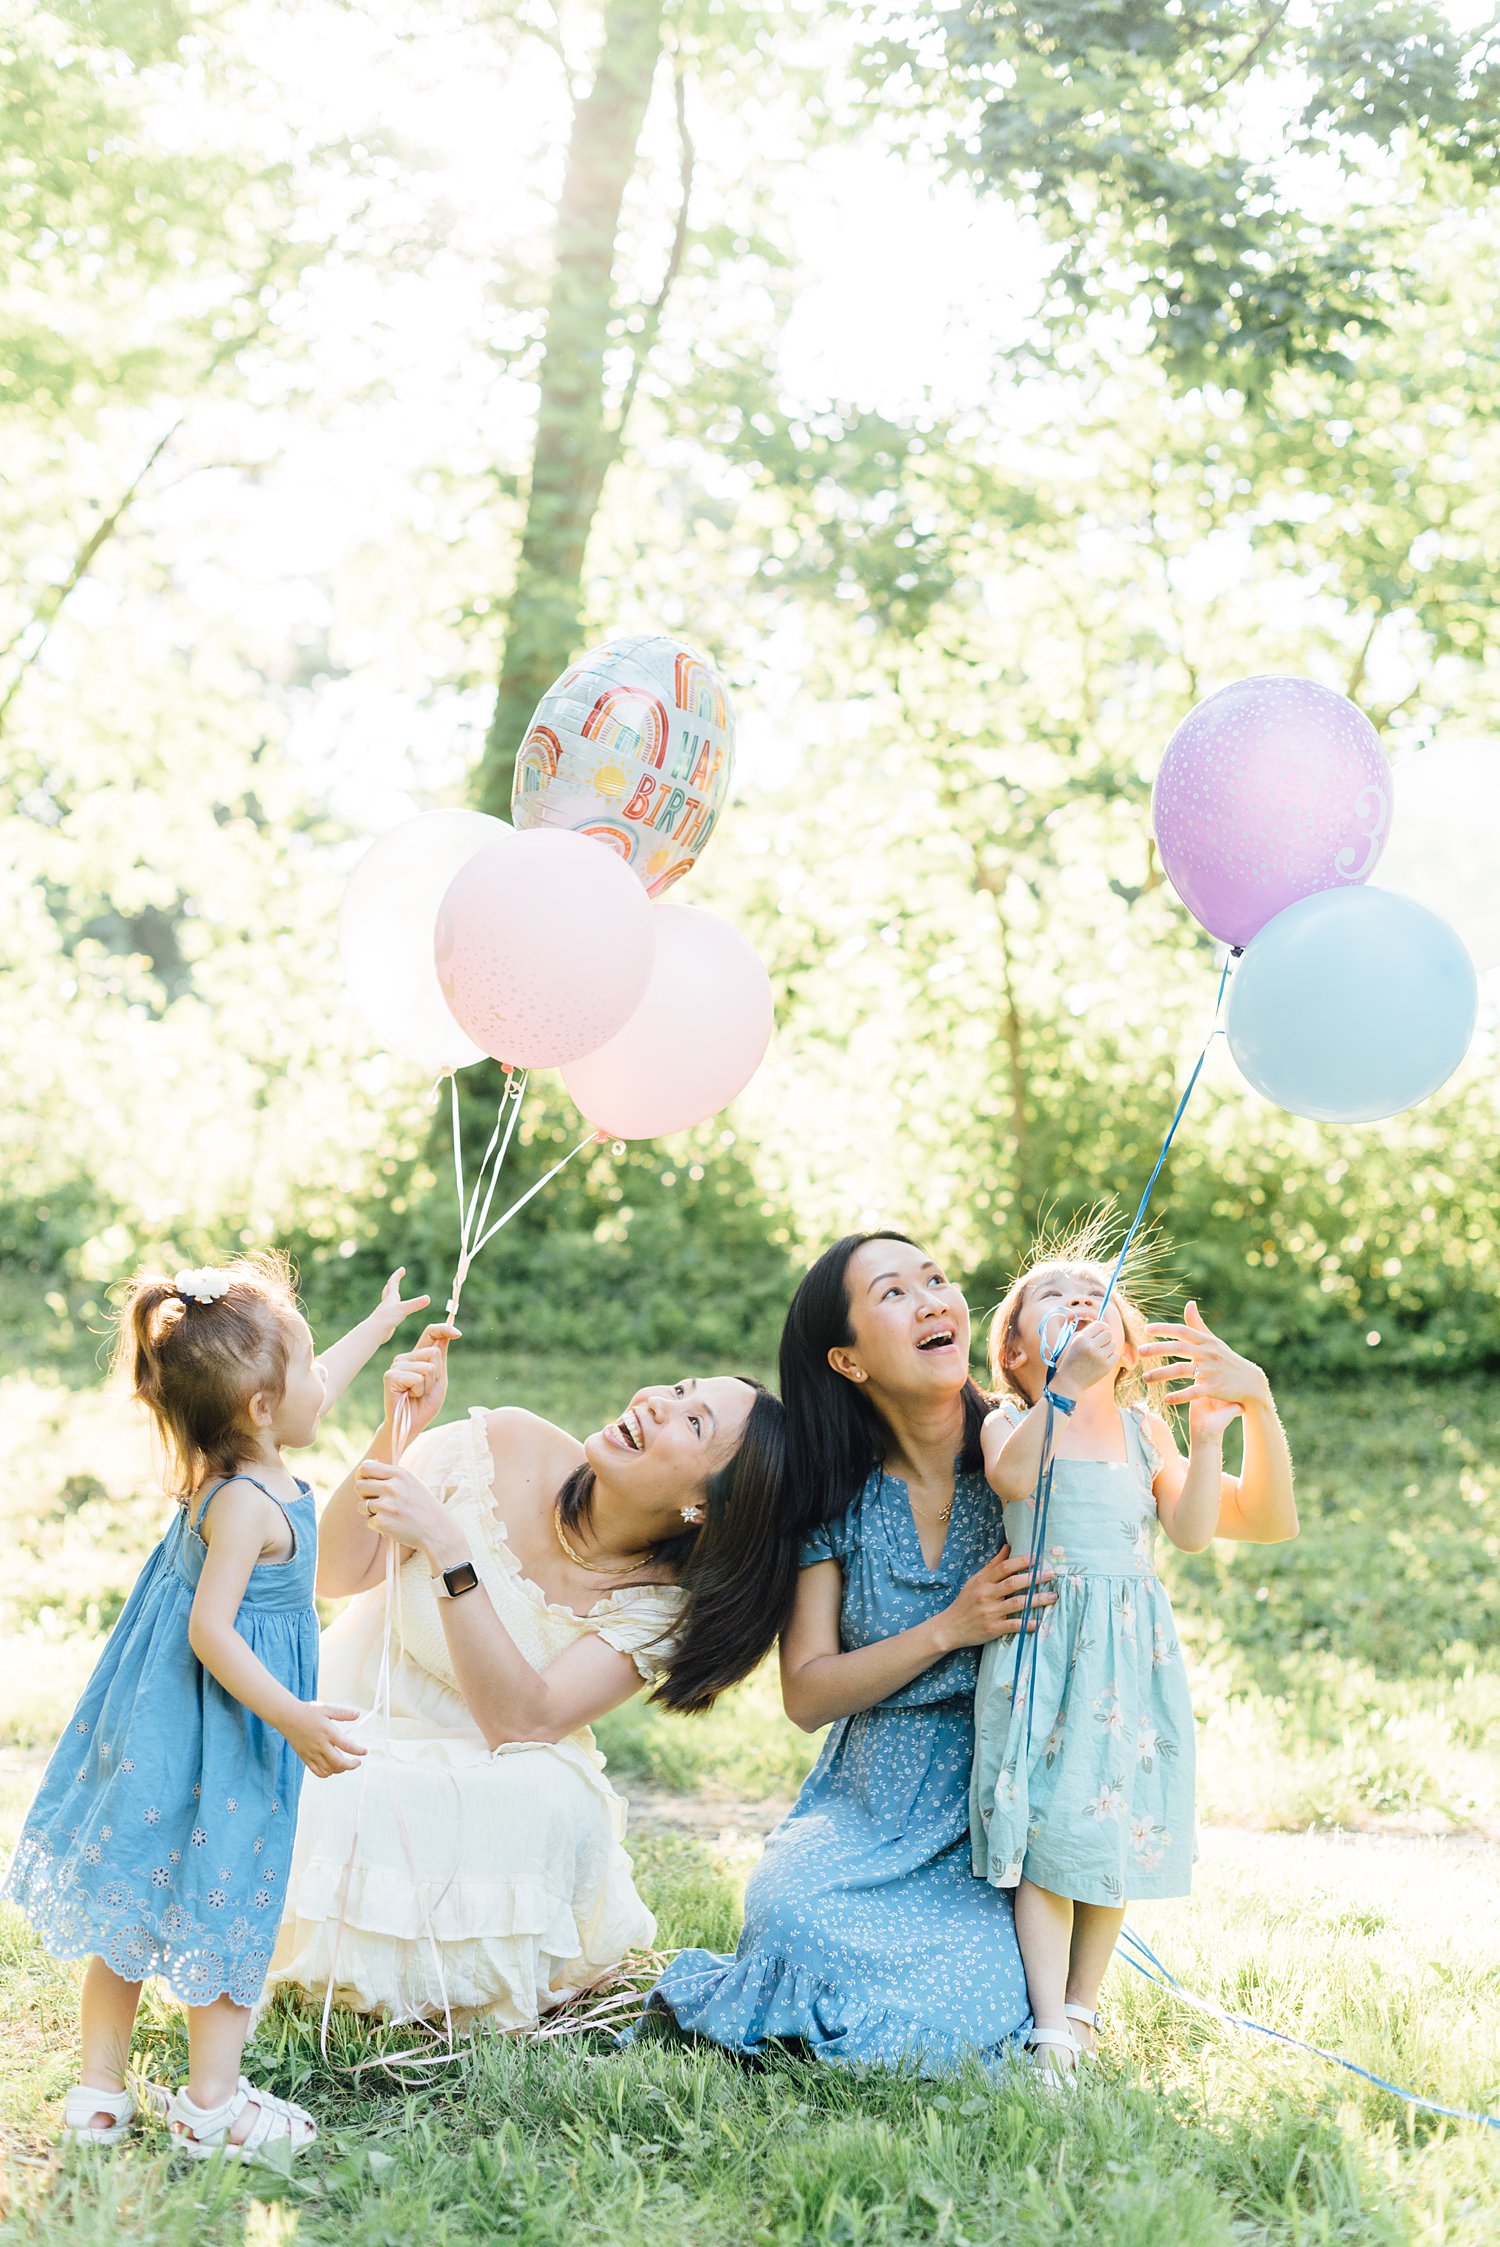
point(633, 747)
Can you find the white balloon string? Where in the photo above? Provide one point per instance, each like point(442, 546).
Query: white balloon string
point(474, 1212)
point(458, 1154)
point(593, 1140)
point(466, 1226)
point(400, 1430)
point(515, 1093)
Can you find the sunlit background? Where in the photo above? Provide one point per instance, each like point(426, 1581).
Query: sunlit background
point(1007, 381)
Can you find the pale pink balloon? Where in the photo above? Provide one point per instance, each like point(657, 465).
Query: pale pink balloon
point(694, 1042)
point(1272, 789)
point(543, 947)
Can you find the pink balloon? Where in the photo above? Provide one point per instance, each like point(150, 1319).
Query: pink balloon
point(543, 947)
point(695, 1040)
point(1272, 789)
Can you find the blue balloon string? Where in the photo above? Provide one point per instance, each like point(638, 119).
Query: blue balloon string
point(1041, 1496)
point(1139, 1218)
point(1041, 1499)
point(1154, 1972)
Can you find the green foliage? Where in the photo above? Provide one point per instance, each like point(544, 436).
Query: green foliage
point(958, 640)
point(1180, 158)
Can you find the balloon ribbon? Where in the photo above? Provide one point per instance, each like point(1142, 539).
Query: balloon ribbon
point(1041, 1496)
point(417, 2056)
point(1145, 1961)
point(474, 1228)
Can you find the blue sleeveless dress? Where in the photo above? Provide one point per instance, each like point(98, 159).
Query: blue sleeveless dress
point(162, 1833)
point(1083, 1773)
point(867, 1936)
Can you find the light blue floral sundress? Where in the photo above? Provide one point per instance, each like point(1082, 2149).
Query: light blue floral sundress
point(162, 1833)
point(1099, 1806)
point(867, 1937)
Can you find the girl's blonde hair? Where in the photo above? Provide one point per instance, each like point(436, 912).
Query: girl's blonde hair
point(1083, 1246)
point(195, 1366)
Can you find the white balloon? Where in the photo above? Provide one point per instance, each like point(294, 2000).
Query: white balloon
point(385, 932)
point(1445, 840)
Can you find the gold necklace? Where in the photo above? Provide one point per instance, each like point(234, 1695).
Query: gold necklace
point(594, 1567)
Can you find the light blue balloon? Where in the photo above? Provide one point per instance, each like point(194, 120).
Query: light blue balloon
point(1352, 1005)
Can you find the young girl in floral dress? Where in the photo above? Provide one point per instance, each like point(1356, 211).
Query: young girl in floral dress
point(160, 1839)
point(1082, 1791)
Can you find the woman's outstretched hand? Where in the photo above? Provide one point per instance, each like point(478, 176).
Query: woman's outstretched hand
point(993, 1600)
point(1218, 1382)
point(421, 1376)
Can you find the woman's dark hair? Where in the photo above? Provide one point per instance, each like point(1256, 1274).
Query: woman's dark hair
point(738, 1571)
point(835, 1435)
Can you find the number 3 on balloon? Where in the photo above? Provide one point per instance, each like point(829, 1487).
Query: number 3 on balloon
point(1374, 806)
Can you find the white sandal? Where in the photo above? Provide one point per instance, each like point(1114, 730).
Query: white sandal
point(81, 2105)
point(201, 2131)
point(1089, 2020)
point(1049, 2074)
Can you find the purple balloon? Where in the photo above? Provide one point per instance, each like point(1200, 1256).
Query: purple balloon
point(1272, 789)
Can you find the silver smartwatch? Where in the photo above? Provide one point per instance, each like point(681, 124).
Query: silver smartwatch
point(452, 1583)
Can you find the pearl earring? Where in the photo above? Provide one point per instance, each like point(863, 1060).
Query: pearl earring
point(692, 1515)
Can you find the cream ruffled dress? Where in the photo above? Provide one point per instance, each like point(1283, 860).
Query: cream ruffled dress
point(503, 1864)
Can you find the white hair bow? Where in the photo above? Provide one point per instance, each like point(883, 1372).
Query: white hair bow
point(203, 1286)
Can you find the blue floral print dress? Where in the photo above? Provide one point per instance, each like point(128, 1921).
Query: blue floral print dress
point(866, 1936)
point(162, 1833)
point(1098, 1805)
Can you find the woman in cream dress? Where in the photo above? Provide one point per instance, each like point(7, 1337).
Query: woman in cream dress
point(474, 1862)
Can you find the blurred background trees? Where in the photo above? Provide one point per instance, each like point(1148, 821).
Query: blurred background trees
point(980, 387)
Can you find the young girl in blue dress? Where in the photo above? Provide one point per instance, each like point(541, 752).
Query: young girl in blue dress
point(160, 1839)
point(1082, 1790)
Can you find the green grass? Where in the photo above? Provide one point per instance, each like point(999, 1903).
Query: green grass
point(1351, 1680)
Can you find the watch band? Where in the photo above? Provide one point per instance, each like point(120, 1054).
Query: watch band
point(452, 1583)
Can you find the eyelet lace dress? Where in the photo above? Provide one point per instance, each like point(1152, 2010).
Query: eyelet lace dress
point(502, 1866)
point(162, 1834)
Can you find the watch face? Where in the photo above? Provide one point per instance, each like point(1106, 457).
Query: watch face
point(461, 1579)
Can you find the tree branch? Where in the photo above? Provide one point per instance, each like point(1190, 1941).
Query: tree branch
point(1256, 49)
point(48, 610)
point(652, 323)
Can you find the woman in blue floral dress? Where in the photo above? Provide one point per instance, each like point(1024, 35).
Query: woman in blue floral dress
point(867, 1937)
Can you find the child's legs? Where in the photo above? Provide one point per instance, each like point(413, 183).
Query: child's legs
point(1044, 1930)
point(1096, 1930)
point(106, 2018)
point(216, 2043)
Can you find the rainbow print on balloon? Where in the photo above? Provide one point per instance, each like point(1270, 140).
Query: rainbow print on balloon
point(700, 690)
point(537, 760)
point(631, 721)
point(634, 747)
point(615, 838)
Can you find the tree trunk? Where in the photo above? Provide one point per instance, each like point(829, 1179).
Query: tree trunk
point(573, 444)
